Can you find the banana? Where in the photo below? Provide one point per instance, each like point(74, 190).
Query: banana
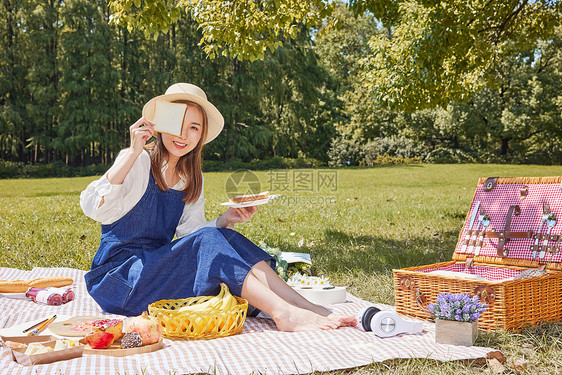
point(222, 301)
point(211, 304)
point(228, 300)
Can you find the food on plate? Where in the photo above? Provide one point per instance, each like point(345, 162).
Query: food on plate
point(146, 326)
point(37, 348)
point(250, 197)
point(114, 326)
point(100, 340)
point(84, 326)
point(131, 340)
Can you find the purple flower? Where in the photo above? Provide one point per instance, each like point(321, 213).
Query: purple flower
point(459, 306)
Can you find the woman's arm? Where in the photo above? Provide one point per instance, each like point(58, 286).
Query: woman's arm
point(109, 198)
point(141, 131)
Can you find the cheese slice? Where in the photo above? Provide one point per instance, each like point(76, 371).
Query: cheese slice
point(168, 117)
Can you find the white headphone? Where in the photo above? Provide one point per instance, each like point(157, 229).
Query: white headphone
point(385, 323)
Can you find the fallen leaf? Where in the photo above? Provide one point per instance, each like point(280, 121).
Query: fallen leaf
point(496, 354)
point(496, 366)
point(519, 364)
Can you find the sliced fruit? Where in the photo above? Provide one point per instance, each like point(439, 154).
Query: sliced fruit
point(100, 340)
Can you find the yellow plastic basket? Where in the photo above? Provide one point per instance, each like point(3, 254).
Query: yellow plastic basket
point(191, 325)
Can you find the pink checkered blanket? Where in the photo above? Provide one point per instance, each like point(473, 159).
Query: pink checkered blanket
point(260, 348)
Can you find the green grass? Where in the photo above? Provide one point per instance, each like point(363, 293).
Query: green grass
point(375, 220)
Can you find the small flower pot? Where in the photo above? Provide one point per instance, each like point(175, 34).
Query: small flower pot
point(455, 333)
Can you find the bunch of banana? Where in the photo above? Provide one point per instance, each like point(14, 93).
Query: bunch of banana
point(223, 301)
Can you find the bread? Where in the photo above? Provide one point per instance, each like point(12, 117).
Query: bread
point(250, 198)
point(13, 286)
point(55, 281)
point(168, 117)
point(21, 286)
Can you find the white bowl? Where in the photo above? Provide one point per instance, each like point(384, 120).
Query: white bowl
point(323, 296)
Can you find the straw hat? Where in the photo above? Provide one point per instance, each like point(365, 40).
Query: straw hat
point(187, 91)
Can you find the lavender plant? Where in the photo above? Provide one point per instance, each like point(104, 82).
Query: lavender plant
point(460, 307)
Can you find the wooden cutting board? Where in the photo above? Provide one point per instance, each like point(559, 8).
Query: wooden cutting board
point(115, 351)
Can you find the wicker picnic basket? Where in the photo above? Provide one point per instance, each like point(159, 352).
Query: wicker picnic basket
point(191, 325)
point(513, 264)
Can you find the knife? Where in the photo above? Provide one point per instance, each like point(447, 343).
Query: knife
point(470, 224)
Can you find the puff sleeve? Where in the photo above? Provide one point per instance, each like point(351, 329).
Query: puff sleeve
point(117, 199)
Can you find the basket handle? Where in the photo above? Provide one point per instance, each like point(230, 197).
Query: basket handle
point(408, 284)
point(422, 301)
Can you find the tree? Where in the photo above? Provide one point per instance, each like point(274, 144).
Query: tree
point(433, 52)
point(43, 28)
point(14, 127)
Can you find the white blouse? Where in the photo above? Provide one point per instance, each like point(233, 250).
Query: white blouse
point(120, 199)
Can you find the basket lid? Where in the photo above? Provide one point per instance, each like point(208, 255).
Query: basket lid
point(522, 201)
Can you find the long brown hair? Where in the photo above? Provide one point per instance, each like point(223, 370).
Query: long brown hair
point(189, 165)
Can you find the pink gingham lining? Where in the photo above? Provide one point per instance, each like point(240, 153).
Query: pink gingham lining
point(488, 273)
point(260, 348)
point(496, 203)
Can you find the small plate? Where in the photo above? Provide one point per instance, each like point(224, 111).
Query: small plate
point(251, 203)
point(65, 328)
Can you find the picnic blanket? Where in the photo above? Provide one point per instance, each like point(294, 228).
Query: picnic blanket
point(259, 348)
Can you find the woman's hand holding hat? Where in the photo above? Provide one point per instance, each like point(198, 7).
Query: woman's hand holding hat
point(141, 131)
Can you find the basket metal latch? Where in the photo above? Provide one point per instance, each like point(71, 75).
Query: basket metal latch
point(406, 283)
point(490, 183)
point(485, 293)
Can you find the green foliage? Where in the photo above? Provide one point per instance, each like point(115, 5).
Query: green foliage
point(431, 53)
point(9, 169)
point(242, 29)
point(72, 82)
point(516, 121)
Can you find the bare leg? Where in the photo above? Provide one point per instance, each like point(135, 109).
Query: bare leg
point(287, 317)
point(268, 277)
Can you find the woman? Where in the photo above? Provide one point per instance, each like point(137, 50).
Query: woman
point(154, 192)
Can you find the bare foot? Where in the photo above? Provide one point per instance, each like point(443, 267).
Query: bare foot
point(344, 320)
point(294, 319)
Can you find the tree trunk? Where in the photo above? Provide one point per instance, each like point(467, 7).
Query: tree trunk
point(505, 145)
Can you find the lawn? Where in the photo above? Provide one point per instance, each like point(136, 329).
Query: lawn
point(358, 224)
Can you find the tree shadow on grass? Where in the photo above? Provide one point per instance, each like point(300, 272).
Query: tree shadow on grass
point(343, 252)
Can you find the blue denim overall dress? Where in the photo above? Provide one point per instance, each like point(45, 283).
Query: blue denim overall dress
point(136, 264)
